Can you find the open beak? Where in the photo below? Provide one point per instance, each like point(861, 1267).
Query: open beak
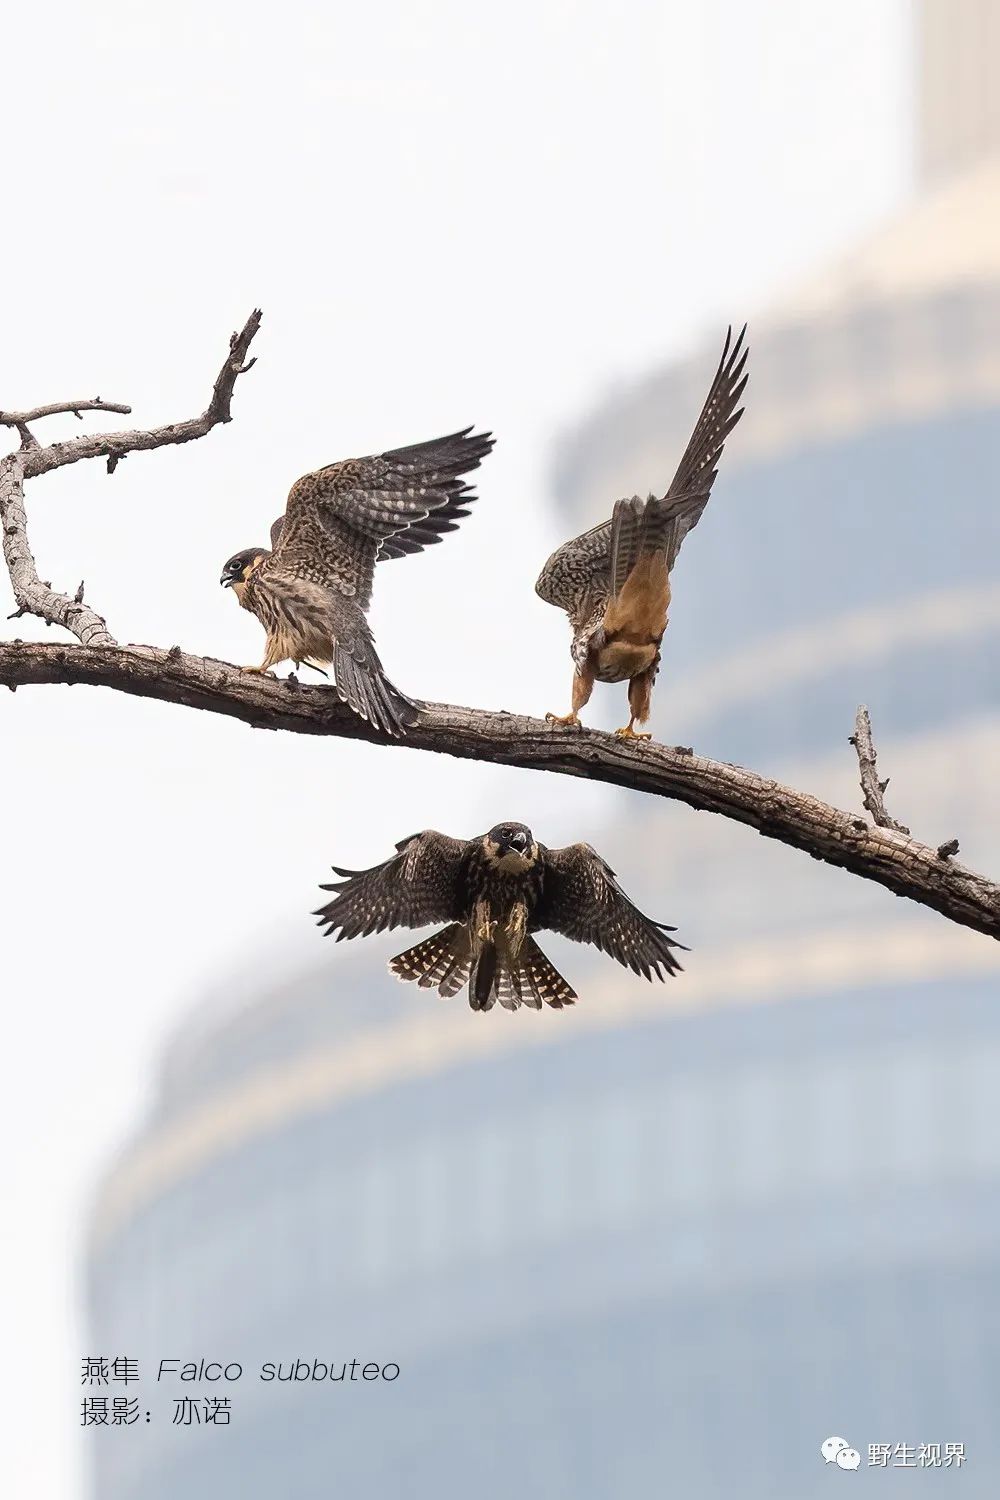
point(227, 581)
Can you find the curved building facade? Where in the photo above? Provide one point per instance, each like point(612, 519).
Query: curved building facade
point(667, 1243)
point(659, 1248)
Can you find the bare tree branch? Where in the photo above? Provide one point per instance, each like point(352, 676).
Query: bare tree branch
point(22, 418)
point(872, 788)
point(31, 594)
point(884, 853)
point(840, 838)
point(115, 445)
point(34, 597)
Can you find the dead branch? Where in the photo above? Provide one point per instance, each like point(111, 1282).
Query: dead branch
point(884, 853)
point(114, 446)
point(872, 789)
point(877, 853)
point(30, 593)
point(21, 419)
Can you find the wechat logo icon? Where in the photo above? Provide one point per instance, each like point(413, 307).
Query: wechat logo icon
point(837, 1450)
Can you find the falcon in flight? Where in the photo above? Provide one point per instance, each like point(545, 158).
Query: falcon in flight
point(494, 892)
point(614, 580)
point(312, 590)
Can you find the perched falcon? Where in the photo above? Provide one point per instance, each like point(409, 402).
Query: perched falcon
point(614, 580)
point(494, 892)
point(311, 592)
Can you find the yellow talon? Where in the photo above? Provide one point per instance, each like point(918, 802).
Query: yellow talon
point(569, 718)
point(628, 733)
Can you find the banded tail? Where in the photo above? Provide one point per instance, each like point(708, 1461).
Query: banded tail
point(362, 683)
point(441, 962)
point(445, 962)
point(657, 527)
point(645, 537)
point(647, 529)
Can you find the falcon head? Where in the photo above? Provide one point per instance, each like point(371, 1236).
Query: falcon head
point(510, 847)
point(239, 565)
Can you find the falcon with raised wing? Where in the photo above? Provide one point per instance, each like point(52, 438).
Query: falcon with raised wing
point(494, 892)
point(312, 589)
point(614, 580)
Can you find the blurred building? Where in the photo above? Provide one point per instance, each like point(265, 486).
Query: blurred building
point(671, 1242)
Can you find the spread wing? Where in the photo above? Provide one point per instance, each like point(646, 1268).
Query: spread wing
point(577, 569)
point(699, 466)
point(585, 563)
point(421, 883)
point(692, 484)
point(582, 899)
point(341, 520)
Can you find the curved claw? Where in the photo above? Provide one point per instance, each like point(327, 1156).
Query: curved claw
point(569, 718)
point(628, 733)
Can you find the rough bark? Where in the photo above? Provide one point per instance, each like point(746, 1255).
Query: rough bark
point(872, 789)
point(32, 595)
point(779, 812)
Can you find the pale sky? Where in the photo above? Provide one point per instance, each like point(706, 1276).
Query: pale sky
point(449, 213)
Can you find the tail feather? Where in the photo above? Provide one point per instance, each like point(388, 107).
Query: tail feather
point(638, 612)
point(510, 991)
point(643, 528)
point(543, 978)
point(483, 980)
point(531, 979)
point(362, 683)
point(445, 961)
point(440, 962)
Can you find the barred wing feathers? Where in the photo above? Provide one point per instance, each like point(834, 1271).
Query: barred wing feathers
point(418, 885)
point(581, 899)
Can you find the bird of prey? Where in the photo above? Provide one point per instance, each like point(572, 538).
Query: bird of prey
point(614, 580)
point(494, 892)
point(312, 589)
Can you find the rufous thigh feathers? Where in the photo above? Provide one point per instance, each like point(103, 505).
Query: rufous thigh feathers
point(583, 686)
point(640, 610)
point(640, 694)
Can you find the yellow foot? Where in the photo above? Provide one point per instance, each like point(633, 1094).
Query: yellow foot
point(563, 718)
point(628, 733)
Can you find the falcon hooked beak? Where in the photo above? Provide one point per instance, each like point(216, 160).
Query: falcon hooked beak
point(510, 847)
point(240, 564)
